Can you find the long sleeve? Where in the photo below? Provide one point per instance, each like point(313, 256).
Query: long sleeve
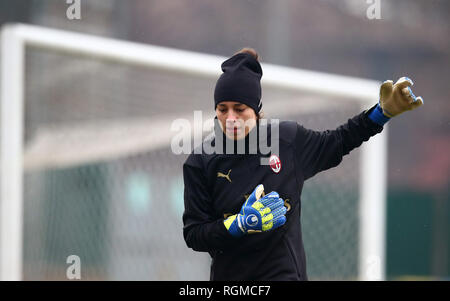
point(318, 151)
point(203, 231)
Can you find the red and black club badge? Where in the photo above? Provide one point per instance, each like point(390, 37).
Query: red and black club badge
point(275, 163)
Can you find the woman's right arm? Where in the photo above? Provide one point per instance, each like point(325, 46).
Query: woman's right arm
point(202, 232)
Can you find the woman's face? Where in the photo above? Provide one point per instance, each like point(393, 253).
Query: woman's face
point(236, 119)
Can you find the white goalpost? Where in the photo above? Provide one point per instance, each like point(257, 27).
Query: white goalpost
point(34, 150)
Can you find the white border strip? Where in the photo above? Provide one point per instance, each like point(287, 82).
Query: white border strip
point(11, 127)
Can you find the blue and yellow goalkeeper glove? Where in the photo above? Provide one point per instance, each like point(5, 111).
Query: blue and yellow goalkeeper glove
point(395, 99)
point(258, 214)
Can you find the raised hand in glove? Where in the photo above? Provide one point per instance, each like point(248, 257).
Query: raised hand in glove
point(394, 100)
point(398, 98)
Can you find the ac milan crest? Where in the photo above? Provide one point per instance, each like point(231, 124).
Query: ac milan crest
point(275, 163)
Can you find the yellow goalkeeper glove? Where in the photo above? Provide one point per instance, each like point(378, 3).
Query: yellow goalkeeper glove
point(398, 98)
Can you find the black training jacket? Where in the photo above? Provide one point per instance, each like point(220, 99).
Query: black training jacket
point(209, 198)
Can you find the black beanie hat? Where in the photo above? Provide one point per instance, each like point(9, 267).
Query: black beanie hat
point(240, 81)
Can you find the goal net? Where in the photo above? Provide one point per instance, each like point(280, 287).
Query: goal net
point(87, 167)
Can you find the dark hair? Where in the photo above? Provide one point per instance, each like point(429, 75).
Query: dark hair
point(260, 115)
point(249, 51)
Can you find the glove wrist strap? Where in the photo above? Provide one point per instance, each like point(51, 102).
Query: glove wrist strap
point(377, 115)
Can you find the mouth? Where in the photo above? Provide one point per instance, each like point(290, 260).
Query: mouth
point(233, 130)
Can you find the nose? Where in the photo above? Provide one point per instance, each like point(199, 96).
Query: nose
point(231, 117)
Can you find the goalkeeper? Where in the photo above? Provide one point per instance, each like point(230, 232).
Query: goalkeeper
point(249, 234)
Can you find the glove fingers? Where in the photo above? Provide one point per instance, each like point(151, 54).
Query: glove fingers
point(278, 222)
point(256, 195)
point(275, 204)
point(408, 93)
point(271, 215)
point(273, 223)
point(413, 100)
point(269, 198)
point(417, 103)
point(386, 89)
point(279, 212)
point(404, 82)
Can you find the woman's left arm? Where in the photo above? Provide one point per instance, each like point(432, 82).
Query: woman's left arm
point(318, 151)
